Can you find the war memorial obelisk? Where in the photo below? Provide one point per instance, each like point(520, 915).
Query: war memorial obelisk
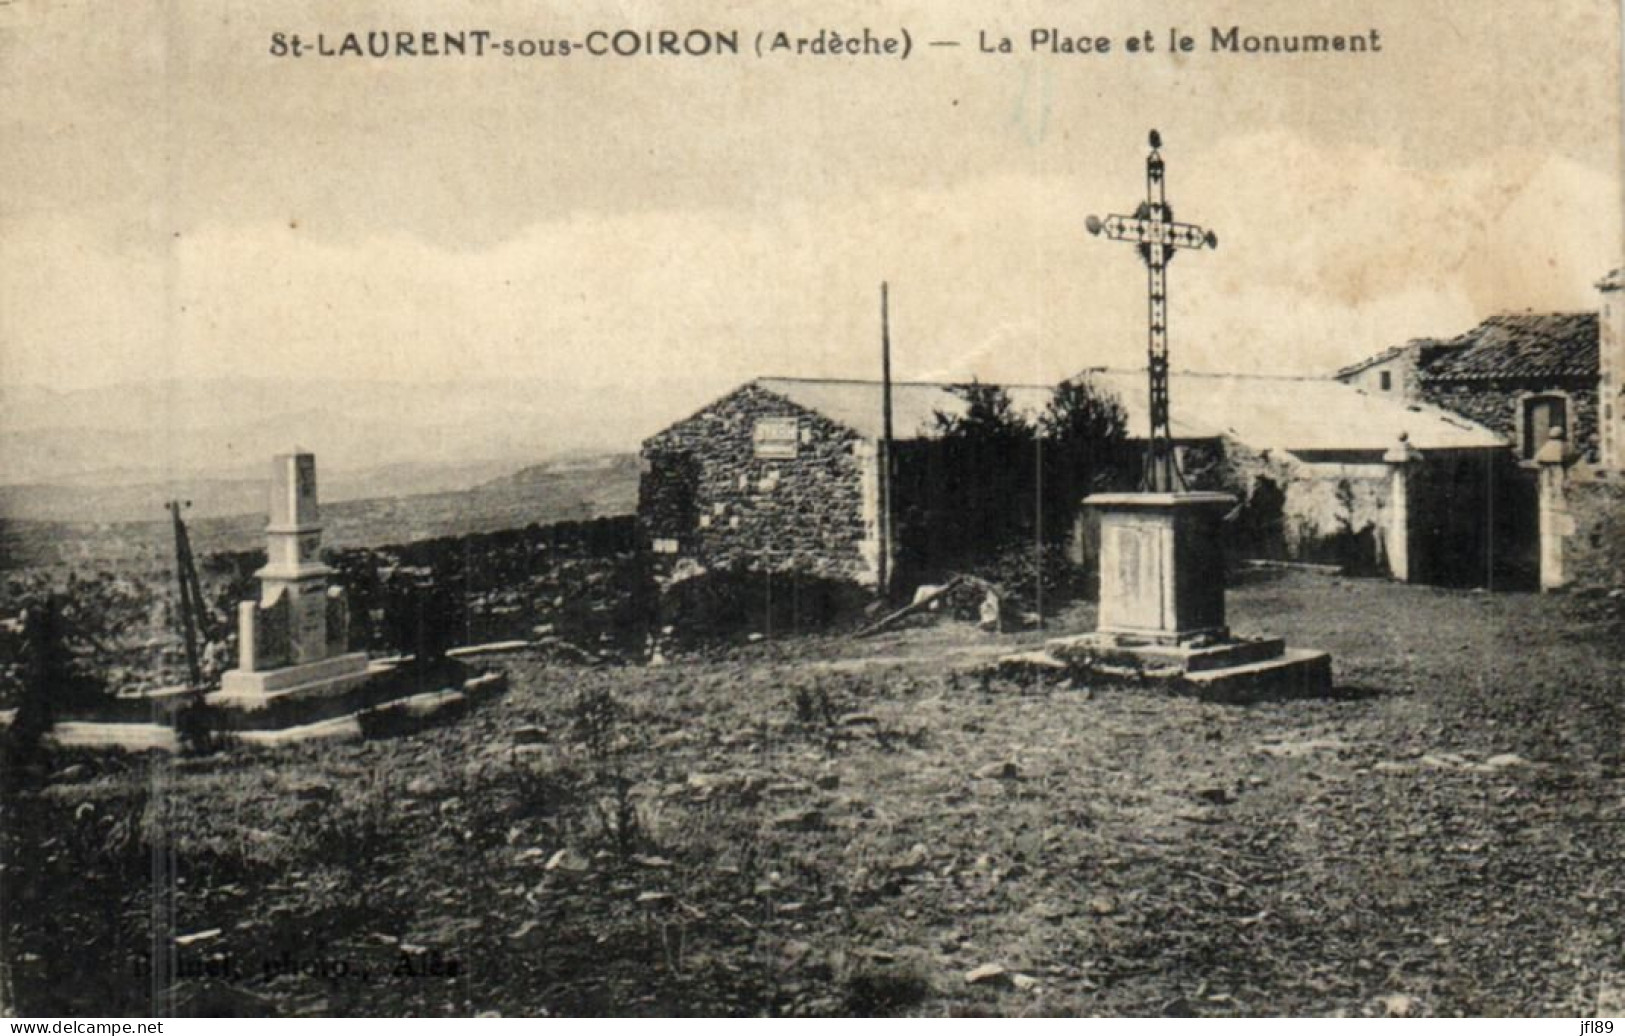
point(294, 642)
point(1161, 561)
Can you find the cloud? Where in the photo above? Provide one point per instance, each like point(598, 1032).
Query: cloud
point(1344, 251)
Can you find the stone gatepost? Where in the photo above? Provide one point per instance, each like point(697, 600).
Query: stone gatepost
point(1556, 520)
point(1403, 461)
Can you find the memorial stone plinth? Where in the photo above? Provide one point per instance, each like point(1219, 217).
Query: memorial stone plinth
point(1162, 565)
point(295, 641)
point(1162, 575)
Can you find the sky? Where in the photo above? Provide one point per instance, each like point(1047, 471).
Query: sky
point(181, 204)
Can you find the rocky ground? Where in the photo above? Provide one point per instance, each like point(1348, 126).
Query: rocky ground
point(828, 826)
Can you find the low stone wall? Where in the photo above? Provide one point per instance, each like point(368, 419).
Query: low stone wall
point(1595, 550)
point(1336, 513)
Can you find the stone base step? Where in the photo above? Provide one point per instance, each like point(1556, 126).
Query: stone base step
point(1116, 650)
point(1234, 670)
point(1297, 673)
point(258, 690)
point(353, 727)
point(131, 737)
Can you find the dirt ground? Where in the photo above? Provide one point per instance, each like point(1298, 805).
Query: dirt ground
point(826, 826)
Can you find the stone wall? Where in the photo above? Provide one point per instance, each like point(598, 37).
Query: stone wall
point(1497, 406)
point(708, 493)
point(1595, 550)
point(1326, 512)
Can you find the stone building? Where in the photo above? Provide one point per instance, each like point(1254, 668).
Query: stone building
point(1519, 374)
point(1552, 387)
point(782, 473)
point(1312, 460)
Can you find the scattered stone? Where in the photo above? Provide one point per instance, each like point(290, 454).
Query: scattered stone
point(990, 614)
point(880, 956)
point(421, 787)
point(654, 898)
point(1444, 760)
point(524, 929)
point(197, 937)
point(859, 719)
point(658, 862)
point(70, 773)
point(1391, 767)
point(1610, 996)
point(1218, 796)
point(1007, 771)
point(925, 591)
point(912, 862)
point(530, 735)
point(1294, 749)
point(568, 860)
point(312, 791)
point(828, 781)
point(1025, 983)
point(1038, 660)
point(1102, 906)
point(985, 975)
point(799, 820)
point(1399, 1005)
point(1505, 760)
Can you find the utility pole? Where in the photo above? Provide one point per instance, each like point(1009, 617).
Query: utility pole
point(885, 459)
point(191, 607)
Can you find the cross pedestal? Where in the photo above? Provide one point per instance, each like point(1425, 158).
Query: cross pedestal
point(1162, 565)
point(1162, 615)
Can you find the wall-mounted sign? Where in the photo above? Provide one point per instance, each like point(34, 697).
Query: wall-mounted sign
point(776, 438)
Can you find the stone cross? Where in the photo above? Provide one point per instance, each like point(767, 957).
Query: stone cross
point(1153, 229)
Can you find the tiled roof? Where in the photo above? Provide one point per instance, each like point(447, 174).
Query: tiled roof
point(1520, 346)
point(1264, 412)
point(1386, 355)
point(1370, 361)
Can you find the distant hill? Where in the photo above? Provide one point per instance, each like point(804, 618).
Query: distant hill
point(226, 430)
point(619, 468)
point(224, 497)
point(578, 489)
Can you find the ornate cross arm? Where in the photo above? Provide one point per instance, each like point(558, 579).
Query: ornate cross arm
point(1152, 232)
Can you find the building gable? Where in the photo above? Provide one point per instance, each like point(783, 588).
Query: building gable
point(756, 479)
